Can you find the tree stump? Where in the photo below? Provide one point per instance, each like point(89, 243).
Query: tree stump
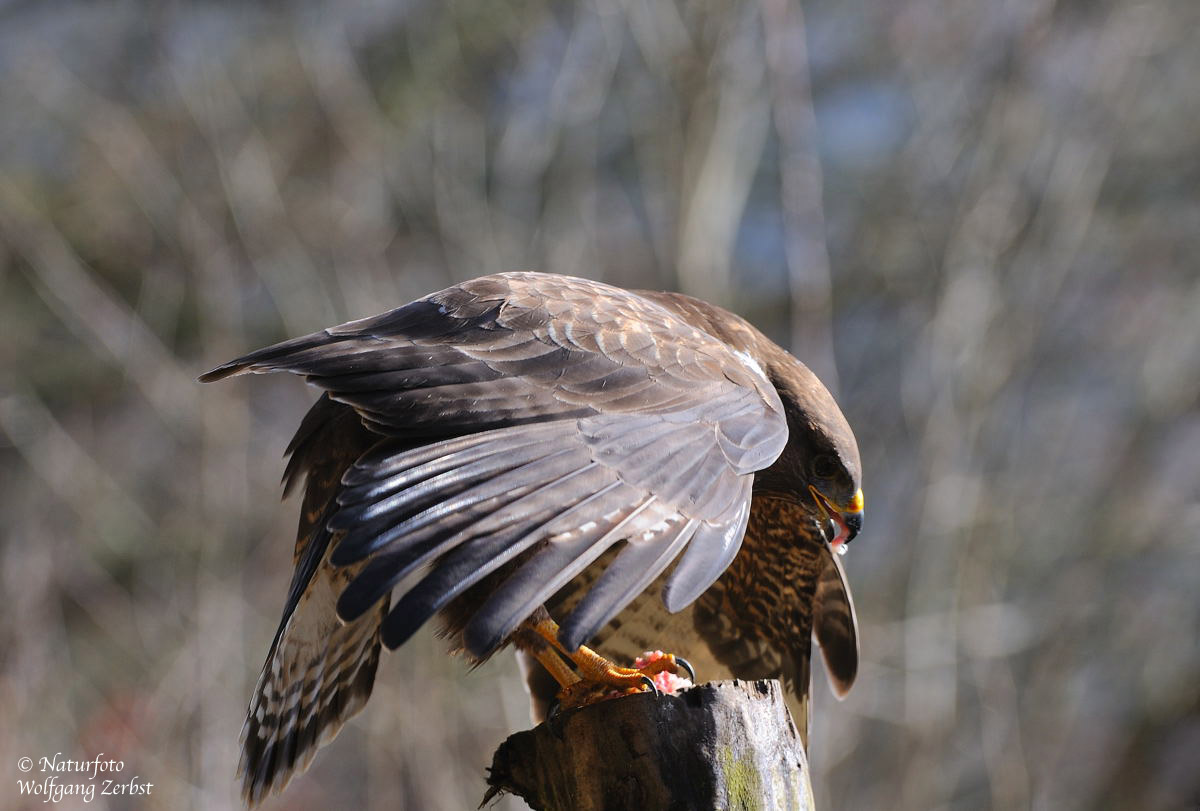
point(724, 745)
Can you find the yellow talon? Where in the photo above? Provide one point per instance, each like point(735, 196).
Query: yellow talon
point(598, 678)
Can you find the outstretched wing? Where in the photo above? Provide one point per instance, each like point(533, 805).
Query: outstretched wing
point(556, 417)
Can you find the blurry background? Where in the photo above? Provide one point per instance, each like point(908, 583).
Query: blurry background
point(979, 221)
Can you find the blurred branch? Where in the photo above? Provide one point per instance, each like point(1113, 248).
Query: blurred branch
point(90, 309)
point(725, 136)
point(67, 468)
point(250, 183)
point(800, 187)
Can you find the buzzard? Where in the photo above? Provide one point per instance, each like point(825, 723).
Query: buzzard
point(644, 467)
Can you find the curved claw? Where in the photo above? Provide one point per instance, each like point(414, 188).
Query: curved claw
point(649, 682)
point(686, 665)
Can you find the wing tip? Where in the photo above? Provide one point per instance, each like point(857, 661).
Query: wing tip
point(675, 599)
point(840, 656)
point(234, 367)
point(480, 639)
point(840, 684)
point(268, 359)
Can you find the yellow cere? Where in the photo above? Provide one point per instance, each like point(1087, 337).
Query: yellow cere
point(856, 503)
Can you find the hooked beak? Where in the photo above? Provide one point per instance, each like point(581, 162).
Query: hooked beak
point(848, 518)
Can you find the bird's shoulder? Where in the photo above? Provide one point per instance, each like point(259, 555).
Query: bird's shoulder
point(678, 338)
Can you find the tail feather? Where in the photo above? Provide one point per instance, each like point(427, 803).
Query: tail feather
point(319, 671)
point(318, 675)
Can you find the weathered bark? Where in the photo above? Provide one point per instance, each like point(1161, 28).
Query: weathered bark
point(724, 745)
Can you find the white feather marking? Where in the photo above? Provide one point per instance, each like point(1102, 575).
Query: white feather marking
point(750, 362)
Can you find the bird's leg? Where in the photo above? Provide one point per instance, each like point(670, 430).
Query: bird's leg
point(529, 640)
point(598, 677)
point(557, 668)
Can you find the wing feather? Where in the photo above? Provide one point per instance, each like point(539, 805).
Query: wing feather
point(319, 671)
point(470, 562)
point(551, 568)
point(712, 549)
point(390, 567)
point(634, 569)
point(835, 625)
point(533, 395)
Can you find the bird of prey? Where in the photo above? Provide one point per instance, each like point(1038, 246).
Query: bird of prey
point(643, 467)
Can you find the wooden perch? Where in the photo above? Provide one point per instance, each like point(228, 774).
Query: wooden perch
point(724, 745)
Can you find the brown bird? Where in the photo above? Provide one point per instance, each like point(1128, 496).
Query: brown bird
point(526, 446)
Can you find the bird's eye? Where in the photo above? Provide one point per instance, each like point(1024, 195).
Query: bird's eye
point(824, 466)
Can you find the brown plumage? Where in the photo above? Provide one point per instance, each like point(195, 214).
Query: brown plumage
point(526, 440)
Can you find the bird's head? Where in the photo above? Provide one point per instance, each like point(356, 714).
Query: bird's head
point(820, 468)
point(837, 498)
